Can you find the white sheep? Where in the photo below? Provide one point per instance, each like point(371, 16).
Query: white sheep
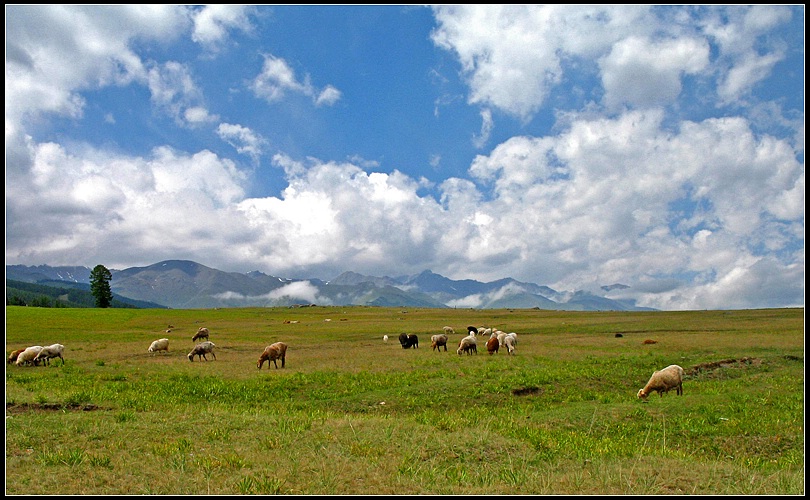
point(510, 341)
point(277, 350)
point(28, 356)
point(200, 350)
point(662, 381)
point(448, 330)
point(385, 338)
point(501, 335)
point(49, 352)
point(468, 344)
point(159, 345)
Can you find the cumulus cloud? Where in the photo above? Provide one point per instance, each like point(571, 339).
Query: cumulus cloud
point(57, 52)
point(212, 23)
point(696, 213)
point(515, 56)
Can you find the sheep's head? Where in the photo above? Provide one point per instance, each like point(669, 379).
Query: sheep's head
point(641, 394)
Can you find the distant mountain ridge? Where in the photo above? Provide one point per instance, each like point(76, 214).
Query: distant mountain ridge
point(183, 284)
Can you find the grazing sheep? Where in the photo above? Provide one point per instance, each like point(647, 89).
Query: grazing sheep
point(510, 340)
point(649, 341)
point(448, 330)
point(202, 333)
point(439, 341)
point(493, 344)
point(28, 356)
point(49, 352)
point(12, 358)
point(385, 338)
point(501, 336)
point(662, 381)
point(159, 345)
point(200, 350)
point(472, 330)
point(408, 341)
point(468, 344)
point(277, 350)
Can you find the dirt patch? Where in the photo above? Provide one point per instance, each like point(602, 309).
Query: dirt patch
point(14, 408)
point(525, 391)
point(726, 363)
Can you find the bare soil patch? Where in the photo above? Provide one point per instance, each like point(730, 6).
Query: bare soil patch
point(726, 363)
point(15, 408)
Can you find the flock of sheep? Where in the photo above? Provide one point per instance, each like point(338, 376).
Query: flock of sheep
point(661, 381)
point(468, 344)
point(36, 354)
point(273, 352)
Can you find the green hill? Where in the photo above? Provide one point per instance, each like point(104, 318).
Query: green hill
point(64, 294)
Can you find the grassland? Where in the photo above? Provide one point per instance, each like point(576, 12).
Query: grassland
point(351, 414)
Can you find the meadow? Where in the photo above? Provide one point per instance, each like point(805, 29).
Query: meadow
point(352, 414)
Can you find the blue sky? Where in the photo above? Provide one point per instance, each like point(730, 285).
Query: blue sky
point(660, 147)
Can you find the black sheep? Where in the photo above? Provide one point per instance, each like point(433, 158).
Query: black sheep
point(408, 341)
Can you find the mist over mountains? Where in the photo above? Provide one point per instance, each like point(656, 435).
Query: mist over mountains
point(183, 284)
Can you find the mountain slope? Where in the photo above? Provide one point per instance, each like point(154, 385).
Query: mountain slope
point(183, 284)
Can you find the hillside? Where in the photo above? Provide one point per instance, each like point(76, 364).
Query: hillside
point(51, 293)
point(182, 284)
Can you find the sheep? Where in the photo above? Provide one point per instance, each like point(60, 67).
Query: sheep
point(12, 358)
point(493, 344)
point(473, 330)
point(409, 341)
point(662, 381)
point(49, 352)
point(200, 350)
point(467, 344)
point(277, 350)
point(439, 341)
point(510, 340)
point(385, 338)
point(448, 330)
point(28, 356)
point(159, 345)
point(501, 336)
point(202, 333)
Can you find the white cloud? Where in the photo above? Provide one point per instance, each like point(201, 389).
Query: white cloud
point(644, 73)
point(58, 51)
point(212, 23)
point(514, 56)
point(486, 129)
point(245, 141)
point(277, 78)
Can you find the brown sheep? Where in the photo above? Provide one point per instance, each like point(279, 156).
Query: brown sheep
point(12, 358)
point(273, 352)
point(202, 333)
point(493, 345)
point(439, 341)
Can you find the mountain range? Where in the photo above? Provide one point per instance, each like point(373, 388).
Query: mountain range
point(183, 284)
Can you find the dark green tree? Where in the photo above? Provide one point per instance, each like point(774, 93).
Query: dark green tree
point(100, 278)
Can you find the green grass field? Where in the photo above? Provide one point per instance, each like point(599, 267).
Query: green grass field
point(351, 414)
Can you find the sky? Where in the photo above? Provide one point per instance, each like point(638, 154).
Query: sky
point(577, 147)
